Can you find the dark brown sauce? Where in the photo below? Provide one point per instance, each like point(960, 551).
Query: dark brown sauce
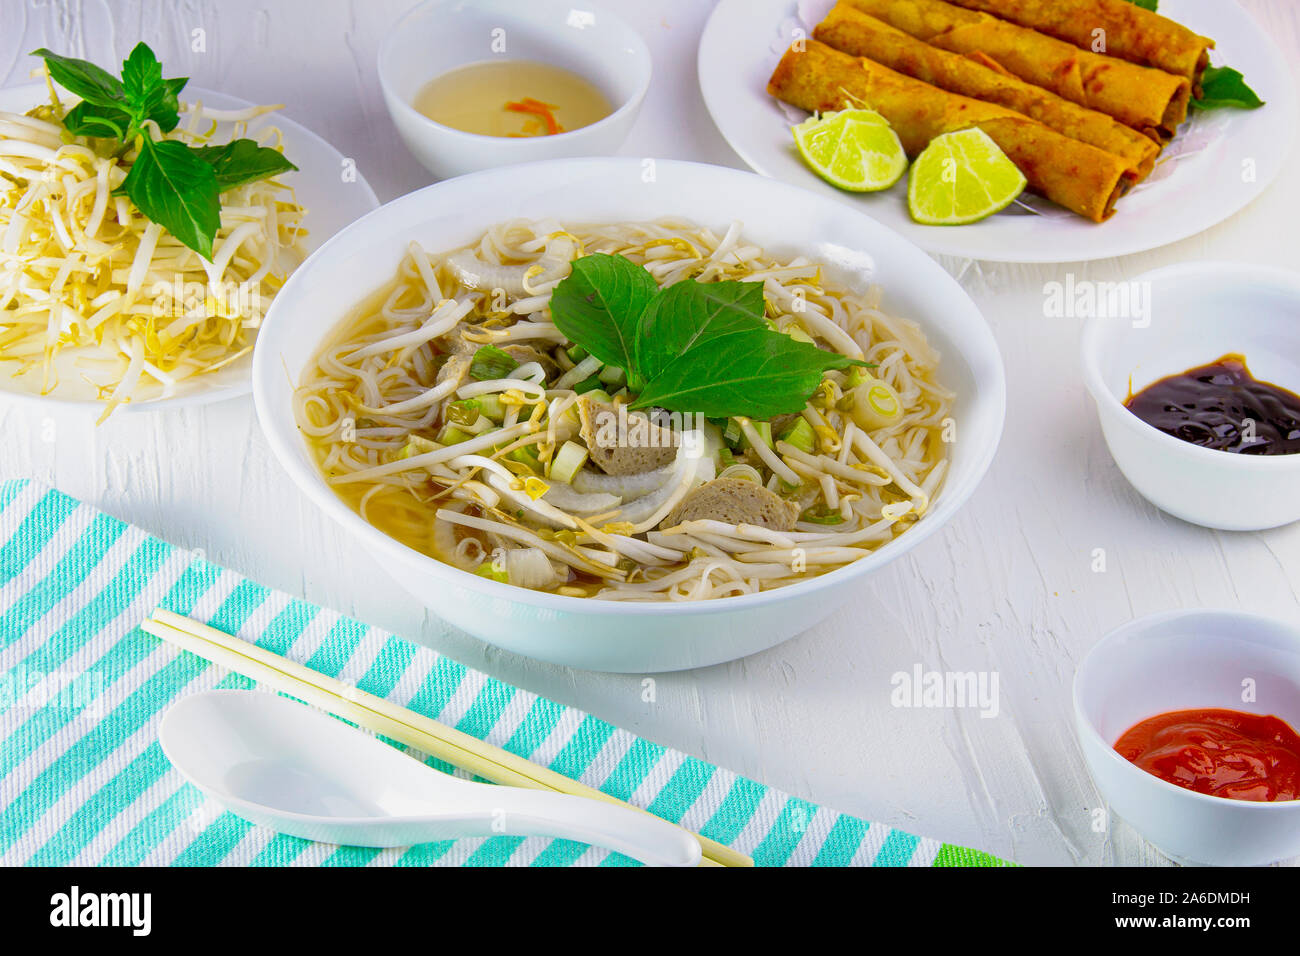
point(1223, 406)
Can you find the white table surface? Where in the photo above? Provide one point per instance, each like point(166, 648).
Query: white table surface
point(1007, 587)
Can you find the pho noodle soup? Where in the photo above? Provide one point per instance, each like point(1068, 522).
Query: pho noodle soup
point(781, 435)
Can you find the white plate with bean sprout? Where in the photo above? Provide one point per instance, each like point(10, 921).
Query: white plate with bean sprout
point(104, 311)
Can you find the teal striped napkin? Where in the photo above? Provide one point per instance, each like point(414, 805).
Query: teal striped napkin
point(82, 688)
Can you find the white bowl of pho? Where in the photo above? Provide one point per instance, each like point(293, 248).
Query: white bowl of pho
point(636, 417)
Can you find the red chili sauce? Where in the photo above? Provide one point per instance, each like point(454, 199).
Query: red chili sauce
point(1224, 753)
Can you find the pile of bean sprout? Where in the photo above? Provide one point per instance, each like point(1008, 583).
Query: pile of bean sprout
point(375, 403)
point(90, 288)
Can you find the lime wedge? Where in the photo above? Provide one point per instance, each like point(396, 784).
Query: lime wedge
point(852, 149)
point(961, 177)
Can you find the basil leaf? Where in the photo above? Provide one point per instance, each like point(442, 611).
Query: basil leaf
point(693, 347)
point(598, 305)
point(759, 375)
point(1224, 86)
point(689, 314)
point(171, 98)
point(177, 190)
point(171, 184)
point(242, 161)
point(166, 108)
point(84, 79)
point(149, 96)
point(89, 119)
point(1145, 4)
point(141, 73)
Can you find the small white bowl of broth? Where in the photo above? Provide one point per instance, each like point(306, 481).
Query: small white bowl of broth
point(471, 86)
point(1197, 387)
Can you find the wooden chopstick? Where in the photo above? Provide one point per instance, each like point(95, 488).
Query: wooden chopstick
point(384, 717)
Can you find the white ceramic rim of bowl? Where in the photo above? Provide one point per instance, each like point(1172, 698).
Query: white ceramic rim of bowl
point(1084, 725)
point(628, 105)
point(1095, 330)
point(206, 396)
point(309, 481)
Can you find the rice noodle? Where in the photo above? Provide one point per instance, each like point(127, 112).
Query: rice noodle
point(374, 408)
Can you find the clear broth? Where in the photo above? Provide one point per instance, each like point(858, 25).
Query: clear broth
point(473, 98)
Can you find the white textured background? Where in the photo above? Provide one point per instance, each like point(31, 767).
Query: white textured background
point(1006, 587)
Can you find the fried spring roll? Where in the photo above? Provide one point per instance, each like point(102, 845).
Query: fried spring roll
point(1144, 98)
point(850, 30)
point(1082, 178)
point(1128, 31)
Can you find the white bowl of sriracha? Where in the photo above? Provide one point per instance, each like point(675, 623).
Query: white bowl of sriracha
point(1203, 705)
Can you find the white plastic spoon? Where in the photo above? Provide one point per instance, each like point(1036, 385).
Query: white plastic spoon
point(285, 766)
